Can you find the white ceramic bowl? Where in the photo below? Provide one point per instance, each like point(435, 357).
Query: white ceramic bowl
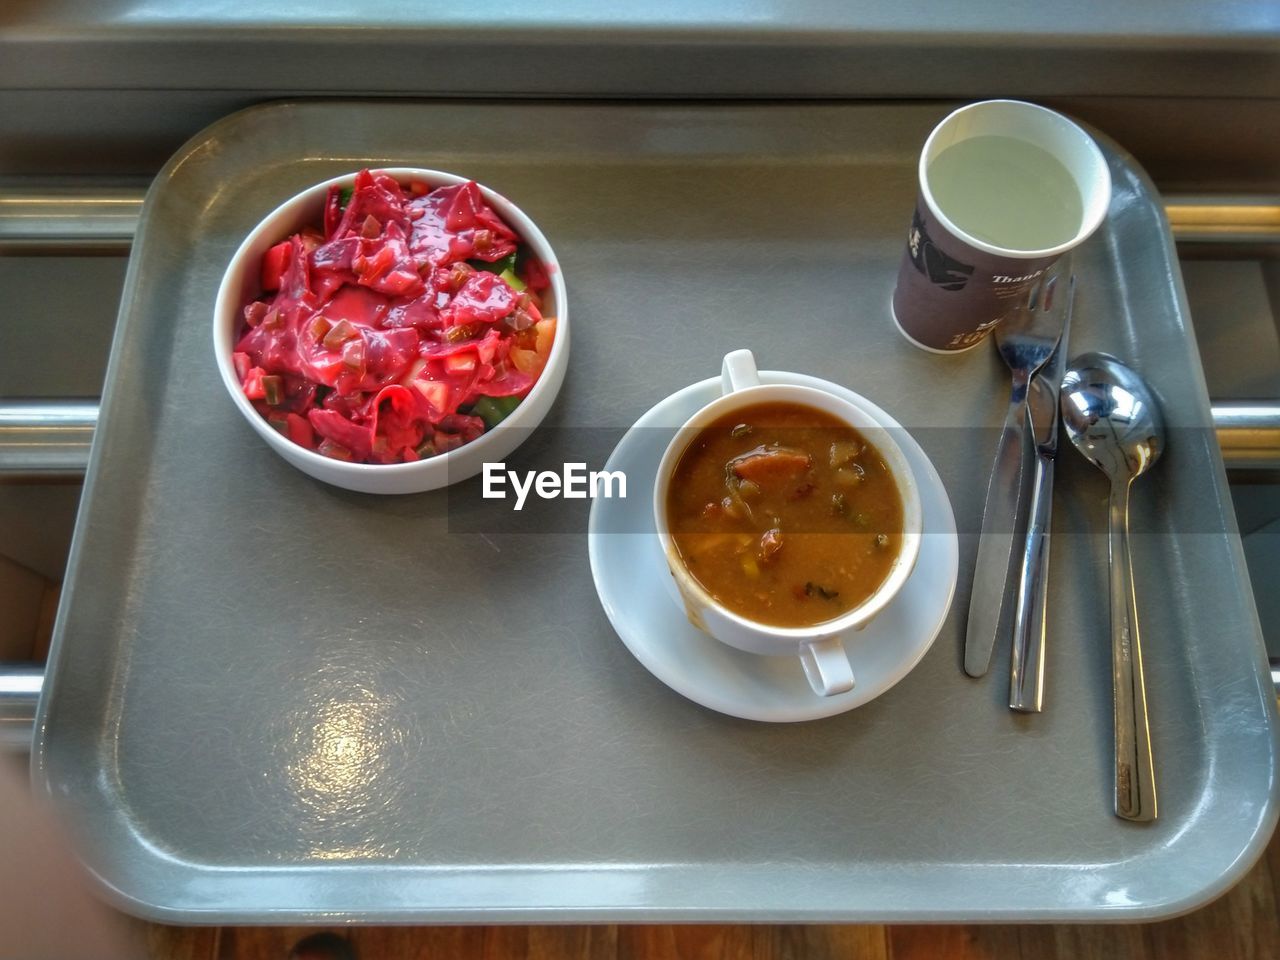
point(240, 285)
point(821, 646)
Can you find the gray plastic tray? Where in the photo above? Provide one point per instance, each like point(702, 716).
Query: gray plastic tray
point(271, 700)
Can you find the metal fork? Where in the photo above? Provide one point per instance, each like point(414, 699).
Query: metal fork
point(1025, 340)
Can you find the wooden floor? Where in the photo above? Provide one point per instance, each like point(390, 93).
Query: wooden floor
point(1243, 925)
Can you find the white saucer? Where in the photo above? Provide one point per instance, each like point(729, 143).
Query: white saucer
point(630, 574)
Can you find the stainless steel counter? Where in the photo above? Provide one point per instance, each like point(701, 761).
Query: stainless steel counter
point(672, 48)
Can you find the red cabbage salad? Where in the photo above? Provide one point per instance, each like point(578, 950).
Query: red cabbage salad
point(406, 325)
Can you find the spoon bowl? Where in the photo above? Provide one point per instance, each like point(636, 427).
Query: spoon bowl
point(1112, 418)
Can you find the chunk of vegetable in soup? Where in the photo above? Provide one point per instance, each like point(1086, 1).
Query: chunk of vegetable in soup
point(785, 514)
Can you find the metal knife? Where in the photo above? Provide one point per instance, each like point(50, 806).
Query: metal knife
point(1025, 341)
point(1026, 671)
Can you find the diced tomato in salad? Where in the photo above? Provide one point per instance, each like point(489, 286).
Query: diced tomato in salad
point(407, 324)
point(274, 262)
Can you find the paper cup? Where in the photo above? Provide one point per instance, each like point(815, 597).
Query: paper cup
point(954, 287)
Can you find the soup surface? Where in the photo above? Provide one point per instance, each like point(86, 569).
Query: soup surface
point(785, 514)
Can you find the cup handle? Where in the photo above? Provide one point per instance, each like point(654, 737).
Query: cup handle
point(738, 372)
point(826, 665)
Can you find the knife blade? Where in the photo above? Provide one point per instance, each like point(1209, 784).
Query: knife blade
point(990, 612)
point(1026, 667)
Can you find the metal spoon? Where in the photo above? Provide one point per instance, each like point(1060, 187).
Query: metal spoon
point(1113, 419)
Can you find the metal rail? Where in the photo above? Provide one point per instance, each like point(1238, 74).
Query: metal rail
point(36, 218)
point(46, 439)
point(59, 219)
point(1212, 219)
point(50, 439)
point(1249, 434)
point(20, 686)
point(19, 694)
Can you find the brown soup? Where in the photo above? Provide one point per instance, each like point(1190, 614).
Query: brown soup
point(785, 514)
